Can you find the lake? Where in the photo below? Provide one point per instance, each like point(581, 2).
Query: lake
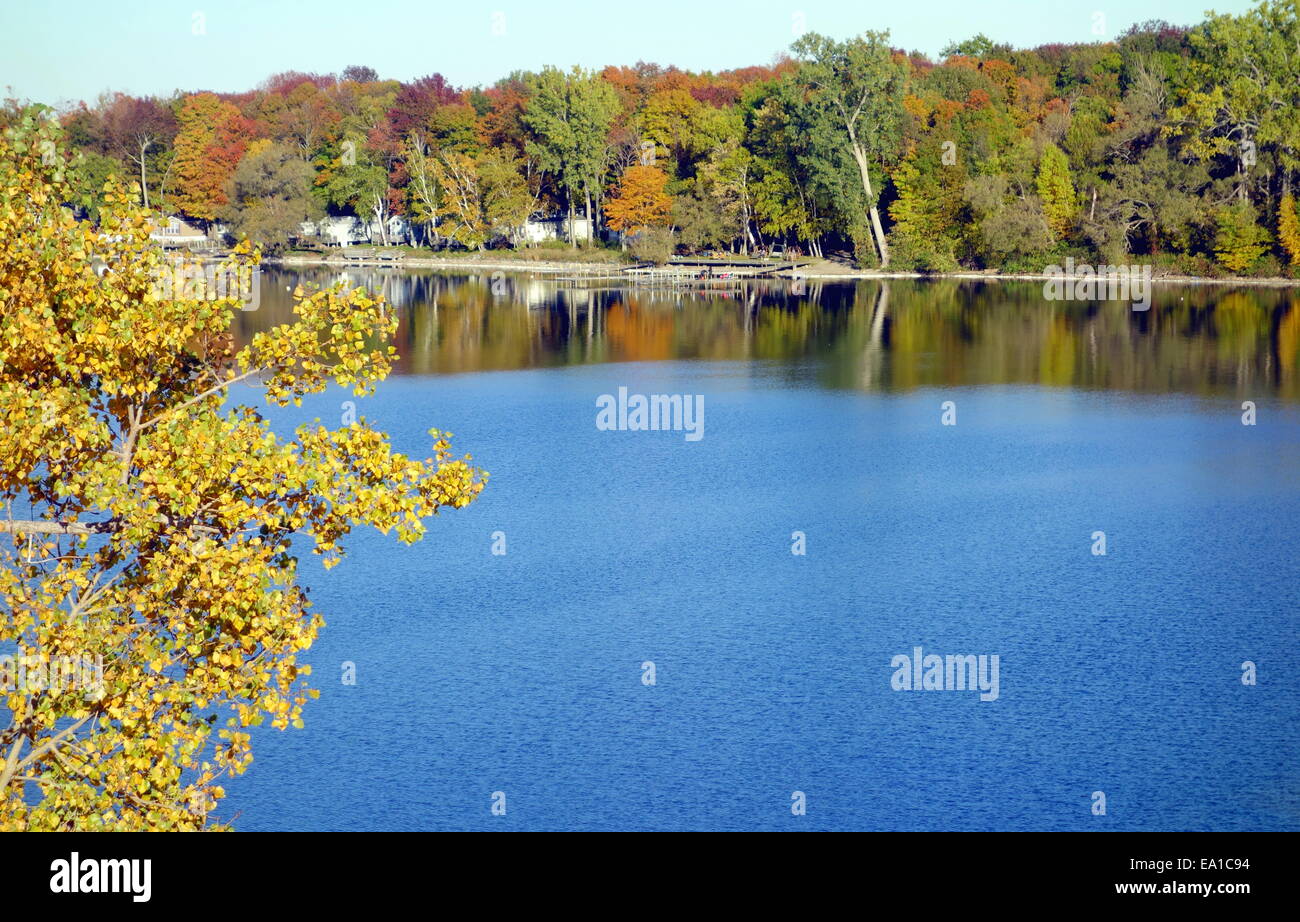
point(649, 652)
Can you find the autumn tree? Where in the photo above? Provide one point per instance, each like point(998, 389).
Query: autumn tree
point(454, 127)
point(1056, 190)
point(1239, 241)
point(507, 198)
point(502, 125)
point(1128, 146)
point(359, 73)
point(209, 146)
point(1288, 229)
point(137, 130)
point(671, 121)
point(270, 195)
point(728, 177)
point(423, 191)
point(305, 118)
point(640, 200)
point(481, 198)
point(416, 102)
point(927, 210)
point(152, 510)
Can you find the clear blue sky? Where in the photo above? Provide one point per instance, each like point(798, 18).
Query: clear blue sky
point(60, 52)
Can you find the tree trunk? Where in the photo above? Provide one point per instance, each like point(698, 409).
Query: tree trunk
point(144, 183)
point(877, 230)
point(1243, 169)
point(383, 225)
point(881, 245)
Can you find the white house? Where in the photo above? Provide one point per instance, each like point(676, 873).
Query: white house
point(537, 229)
point(346, 230)
point(342, 231)
point(399, 231)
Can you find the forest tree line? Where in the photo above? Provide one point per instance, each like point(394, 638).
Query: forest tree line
point(1176, 146)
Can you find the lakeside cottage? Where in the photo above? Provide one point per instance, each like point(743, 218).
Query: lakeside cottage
point(348, 230)
point(539, 228)
point(400, 231)
point(175, 232)
point(339, 231)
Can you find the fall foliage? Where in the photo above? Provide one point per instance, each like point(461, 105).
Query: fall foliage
point(1288, 228)
point(1056, 190)
point(1152, 146)
point(209, 145)
point(640, 200)
point(150, 515)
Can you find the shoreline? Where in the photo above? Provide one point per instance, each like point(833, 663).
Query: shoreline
point(610, 270)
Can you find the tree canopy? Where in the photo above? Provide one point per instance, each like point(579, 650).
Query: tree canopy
point(1155, 144)
point(152, 514)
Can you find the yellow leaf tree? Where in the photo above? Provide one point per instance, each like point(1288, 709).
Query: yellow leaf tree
point(1056, 189)
point(1288, 229)
point(640, 201)
point(146, 518)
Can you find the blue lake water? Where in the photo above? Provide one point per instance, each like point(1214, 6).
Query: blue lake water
point(523, 673)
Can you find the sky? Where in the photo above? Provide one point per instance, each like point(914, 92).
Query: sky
point(60, 53)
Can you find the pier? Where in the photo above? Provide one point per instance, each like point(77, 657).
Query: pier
point(681, 272)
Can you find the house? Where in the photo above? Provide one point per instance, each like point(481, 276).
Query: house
point(342, 231)
point(538, 229)
point(175, 232)
point(346, 230)
point(399, 231)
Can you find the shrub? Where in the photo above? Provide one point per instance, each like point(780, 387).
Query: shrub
point(1239, 241)
point(653, 244)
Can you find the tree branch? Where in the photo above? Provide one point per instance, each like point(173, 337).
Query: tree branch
point(47, 747)
point(43, 527)
point(208, 393)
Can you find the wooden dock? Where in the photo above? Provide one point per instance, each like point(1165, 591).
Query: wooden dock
point(748, 268)
point(368, 256)
point(680, 272)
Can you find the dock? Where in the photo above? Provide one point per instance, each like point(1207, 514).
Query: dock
point(368, 256)
point(681, 272)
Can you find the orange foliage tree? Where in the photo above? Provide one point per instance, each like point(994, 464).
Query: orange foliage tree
point(212, 139)
point(640, 201)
